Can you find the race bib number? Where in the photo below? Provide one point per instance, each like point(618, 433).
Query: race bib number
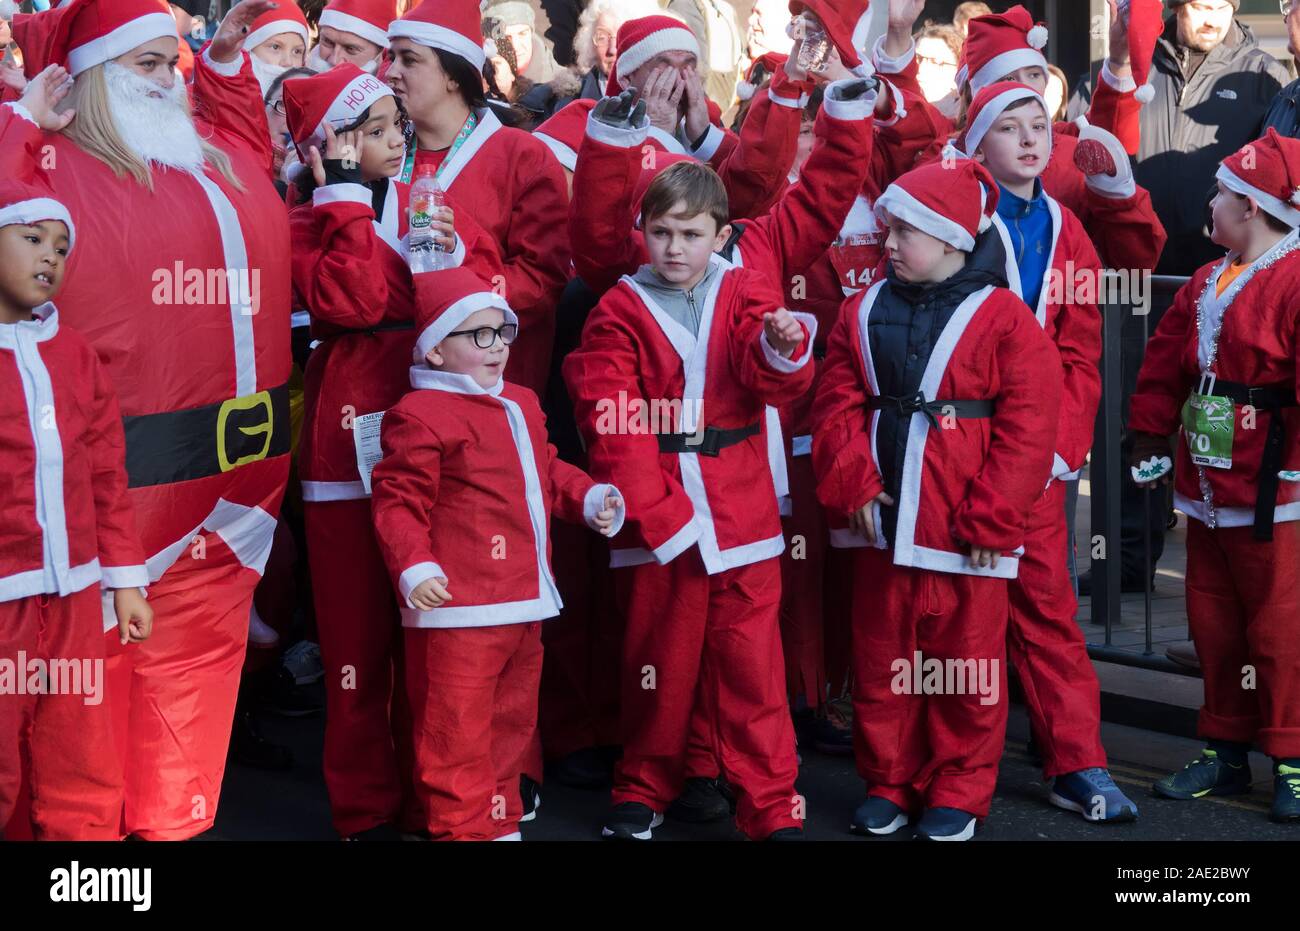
point(855, 258)
point(1209, 425)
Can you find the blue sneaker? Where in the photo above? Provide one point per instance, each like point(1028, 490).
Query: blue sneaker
point(945, 824)
point(1286, 794)
point(877, 816)
point(1093, 794)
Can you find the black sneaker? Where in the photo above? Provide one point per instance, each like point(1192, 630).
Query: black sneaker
point(630, 821)
point(1208, 774)
point(702, 800)
point(1286, 794)
point(287, 698)
point(249, 748)
point(530, 793)
point(786, 834)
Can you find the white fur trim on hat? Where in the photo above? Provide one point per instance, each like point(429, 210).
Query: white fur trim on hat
point(27, 212)
point(361, 93)
point(433, 36)
point(275, 28)
point(983, 121)
point(567, 157)
point(656, 43)
point(999, 66)
point(457, 314)
point(897, 202)
point(346, 22)
point(121, 40)
point(1267, 202)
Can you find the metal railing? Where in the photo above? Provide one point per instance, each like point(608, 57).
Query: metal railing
point(1108, 471)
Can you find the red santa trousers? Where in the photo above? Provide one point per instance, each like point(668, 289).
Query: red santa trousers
point(473, 693)
point(173, 696)
point(65, 738)
point(578, 706)
point(926, 750)
point(691, 634)
point(367, 759)
point(1243, 608)
point(1047, 648)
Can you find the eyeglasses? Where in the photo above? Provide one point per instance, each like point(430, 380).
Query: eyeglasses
point(485, 336)
point(278, 106)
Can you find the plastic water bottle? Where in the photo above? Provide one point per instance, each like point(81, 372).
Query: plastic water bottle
point(816, 48)
point(425, 254)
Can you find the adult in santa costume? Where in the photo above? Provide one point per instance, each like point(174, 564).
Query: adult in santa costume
point(1222, 370)
point(277, 41)
point(516, 188)
point(196, 342)
point(937, 508)
point(1052, 266)
point(463, 501)
point(67, 531)
point(350, 272)
point(1089, 169)
point(353, 31)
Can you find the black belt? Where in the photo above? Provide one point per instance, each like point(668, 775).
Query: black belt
point(713, 442)
point(178, 446)
point(1271, 398)
point(917, 403)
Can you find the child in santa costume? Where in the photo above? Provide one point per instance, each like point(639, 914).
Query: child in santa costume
point(207, 438)
point(1089, 169)
point(933, 437)
point(277, 41)
point(1221, 370)
point(1052, 266)
point(68, 530)
point(350, 272)
point(463, 499)
point(516, 188)
point(700, 347)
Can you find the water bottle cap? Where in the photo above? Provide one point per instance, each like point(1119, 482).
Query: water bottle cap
point(425, 171)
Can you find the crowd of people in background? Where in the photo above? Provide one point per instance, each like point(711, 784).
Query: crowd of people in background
point(833, 236)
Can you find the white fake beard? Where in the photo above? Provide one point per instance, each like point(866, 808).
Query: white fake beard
point(159, 130)
point(318, 64)
point(265, 72)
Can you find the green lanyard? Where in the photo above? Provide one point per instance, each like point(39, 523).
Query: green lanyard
point(408, 169)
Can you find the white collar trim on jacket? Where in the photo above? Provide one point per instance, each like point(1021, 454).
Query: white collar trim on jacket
point(424, 377)
point(43, 327)
point(487, 126)
point(1013, 270)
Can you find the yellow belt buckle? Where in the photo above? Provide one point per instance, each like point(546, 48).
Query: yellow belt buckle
point(246, 403)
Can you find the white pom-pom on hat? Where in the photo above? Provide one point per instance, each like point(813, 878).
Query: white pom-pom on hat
point(1295, 197)
point(1146, 93)
point(745, 90)
point(1037, 37)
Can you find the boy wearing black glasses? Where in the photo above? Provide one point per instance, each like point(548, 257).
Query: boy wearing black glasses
point(462, 502)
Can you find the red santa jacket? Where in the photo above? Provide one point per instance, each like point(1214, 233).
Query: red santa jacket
point(183, 291)
point(1258, 345)
point(633, 354)
point(465, 491)
point(350, 271)
point(1067, 310)
point(518, 195)
point(1125, 230)
point(67, 522)
point(973, 480)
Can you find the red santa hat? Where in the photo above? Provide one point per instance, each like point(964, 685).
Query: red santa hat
point(1267, 170)
point(368, 19)
point(26, 204)
point(951, 201)
point(762, 67)
point(445, 300)
point(90, 32)
point(336, 97)
point(1145, 24)
point(990, 102)
point(847, 22)
point(286, 17)
point(563, 132)
point(451, 25)
point(33, 32)
point(999, 44)
point(640, 40)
